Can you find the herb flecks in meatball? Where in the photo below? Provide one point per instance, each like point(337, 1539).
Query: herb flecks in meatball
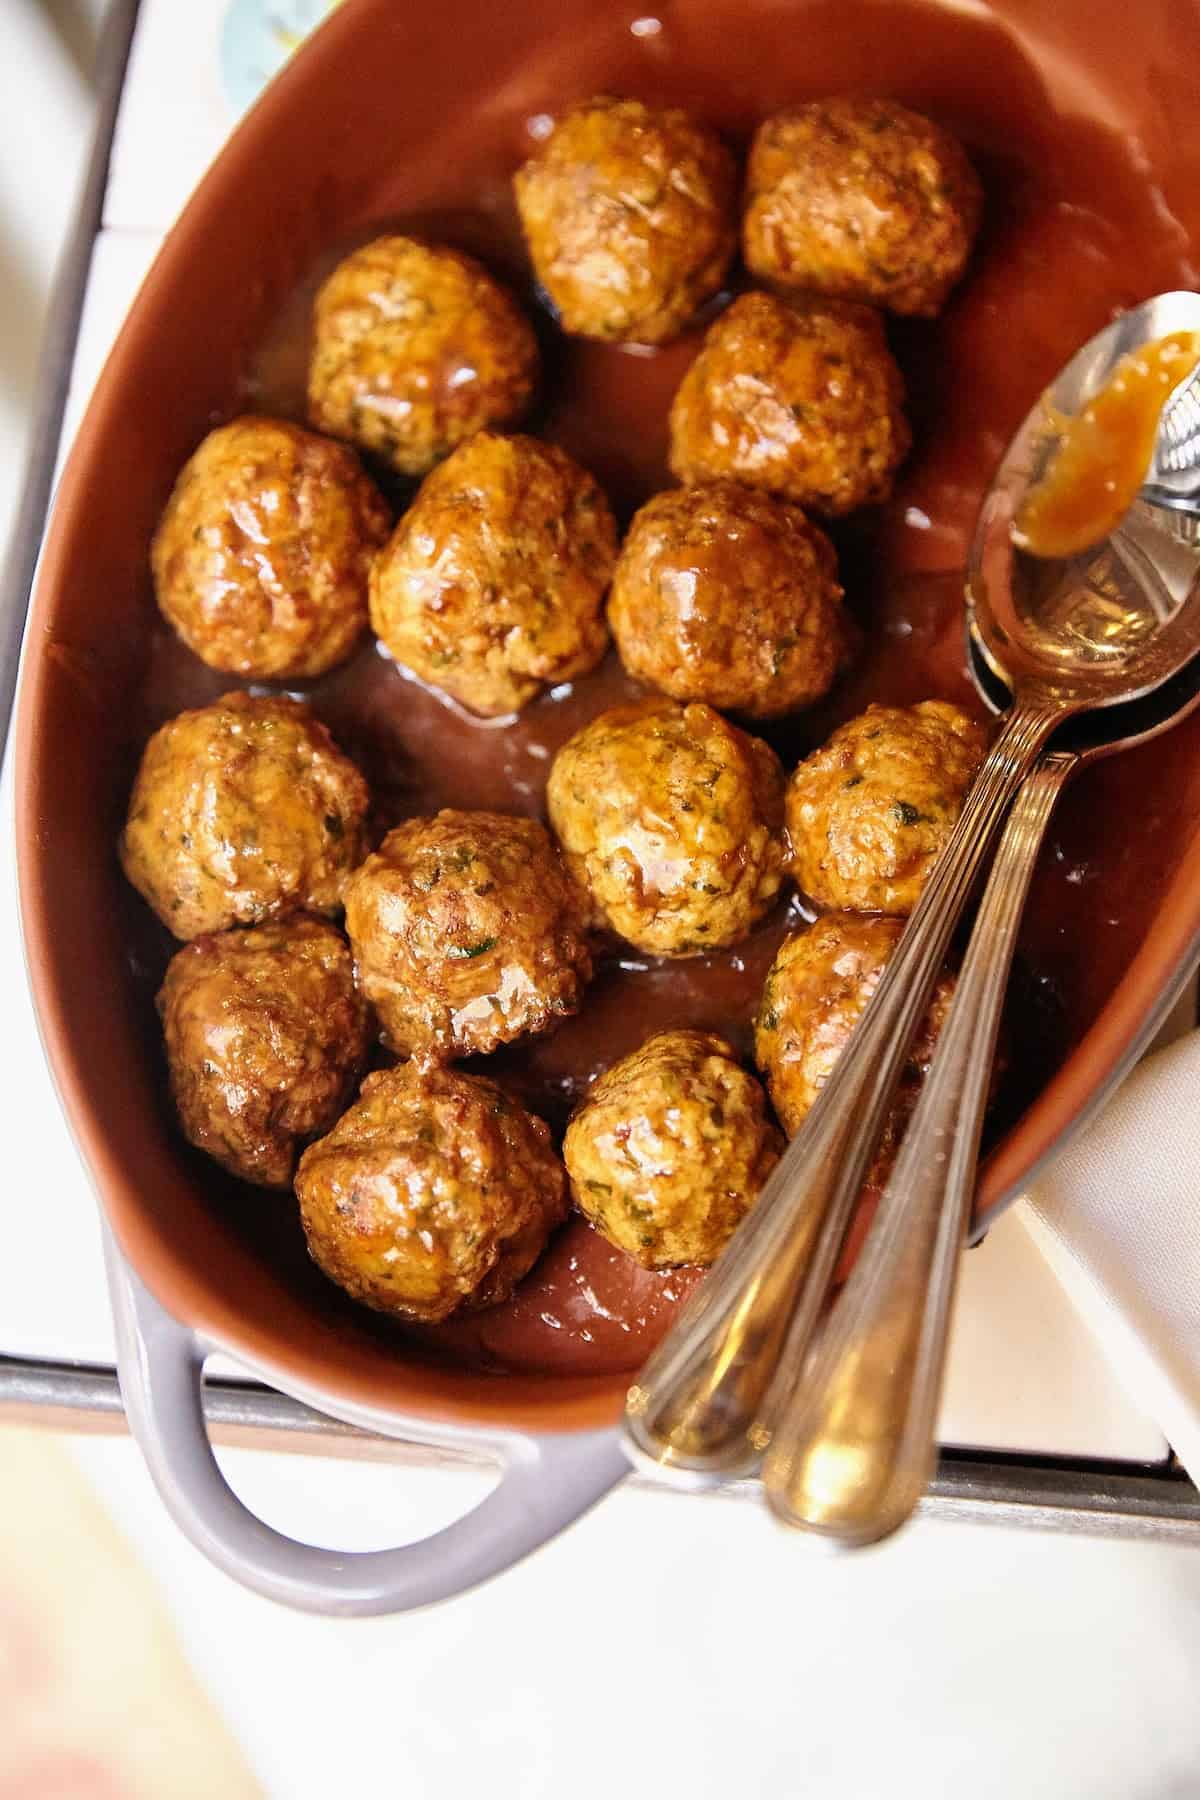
point(262, 554)
point(814, 996)
point(435, 1192)
point(670, 819)
point(802, 398)
point(730, 596)
point(415, 347)
point(628, 212)
point(467, 933)
point(863, 199)
point(242, 811)
point(869, 812)
point(266, 1036)
point(492, 587)
point(670, 1148)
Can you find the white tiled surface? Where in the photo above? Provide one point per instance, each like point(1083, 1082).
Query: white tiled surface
point(674, 1646)
point(173, 102)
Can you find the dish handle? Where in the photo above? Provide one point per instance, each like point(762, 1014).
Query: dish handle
point(546, 1484)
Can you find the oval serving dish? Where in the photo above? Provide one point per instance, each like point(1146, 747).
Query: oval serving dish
point(1086, 134)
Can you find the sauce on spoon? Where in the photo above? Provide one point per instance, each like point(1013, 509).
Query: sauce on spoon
point(1103, 453)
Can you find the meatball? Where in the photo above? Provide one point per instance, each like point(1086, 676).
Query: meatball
point(467, 933)
point(261, 558)
point(667, 1153)
point(414, 348)
point(266, 1035)
point(803, 399)
point(731, 596)
point(434, 1192)
point(493, 585)
point(863, 199)
point(629, 215)
point(242, 811)
point(670, 819)
point(868, 813)
point(815, 994)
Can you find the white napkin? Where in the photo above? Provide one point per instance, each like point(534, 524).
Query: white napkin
point(1118, 1220)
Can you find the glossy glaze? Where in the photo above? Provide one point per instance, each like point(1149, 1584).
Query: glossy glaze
point(1085, 136)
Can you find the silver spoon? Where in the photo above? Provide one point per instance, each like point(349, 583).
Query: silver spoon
point(853, 1445)
point(1070, 639)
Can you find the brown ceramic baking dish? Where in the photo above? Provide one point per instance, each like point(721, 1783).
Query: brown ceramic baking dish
point(1083, 120)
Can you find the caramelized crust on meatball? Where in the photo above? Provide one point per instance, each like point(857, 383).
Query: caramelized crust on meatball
point(801, 398)
point(670, 819)
point(731, 596)
point(435, 1192)
point(242, 811)
point(868, 813)
point(493, 585)
point(628, 211)
point(261, 558)
point(670, 1148)
point(467, 933)
point(266, 1035)
point(863, 199)
point(815, 994)
point(414, 348)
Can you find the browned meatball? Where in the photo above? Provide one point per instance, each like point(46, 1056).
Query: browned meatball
point(492, 587)
point(860, 198)
point(628, 211)
point(266, 1035)
point(731, 596)
point(667, 1153)
point(814, 996)
point(261, 557)
point(803, 399)
point(434, 1192)
point(868, 813)
point(242, 811)
point(467, 933)
point(670, 818)
point(414, 348)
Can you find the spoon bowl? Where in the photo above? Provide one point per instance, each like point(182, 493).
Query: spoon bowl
point(1107, 730)
point(1087, 625)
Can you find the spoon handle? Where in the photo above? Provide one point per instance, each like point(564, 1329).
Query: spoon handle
point(852, 1427)
point(694, 1411)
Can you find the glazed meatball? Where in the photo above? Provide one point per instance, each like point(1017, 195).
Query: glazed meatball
point(628, 212)
point(868, 813)
point(493, 585)
point(670, 819)
point(434, 1192)
point(261, 559)
point(863, 199)
point(802, 399)
point(667, 1153)
point(467, 933)
point(414, 348)
point(266, 1035)
point(814, 996)
point(242, 811)
point(731, 596)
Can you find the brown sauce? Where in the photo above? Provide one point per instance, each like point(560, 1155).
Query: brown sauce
point(1074, 230)
point(1103, 454)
